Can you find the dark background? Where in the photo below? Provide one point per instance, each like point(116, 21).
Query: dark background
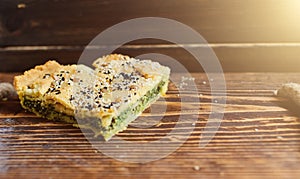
point(247, 35)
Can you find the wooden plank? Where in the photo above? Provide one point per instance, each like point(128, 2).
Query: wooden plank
point(252, 141)
point(76, 22)
point(277, 58)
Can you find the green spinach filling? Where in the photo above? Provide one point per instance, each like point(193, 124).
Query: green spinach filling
point(118, 124)
point(143, 103)
point(46, 111)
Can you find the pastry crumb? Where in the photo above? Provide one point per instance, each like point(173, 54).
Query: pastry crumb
point(279, 137)
point(21, 6)
point(196, 167)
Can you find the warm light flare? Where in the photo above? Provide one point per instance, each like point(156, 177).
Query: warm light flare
point(291, 10)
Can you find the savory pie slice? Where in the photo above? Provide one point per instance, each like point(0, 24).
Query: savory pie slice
point(104, 100)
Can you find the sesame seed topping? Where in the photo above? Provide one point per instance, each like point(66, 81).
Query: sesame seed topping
point(116, 82)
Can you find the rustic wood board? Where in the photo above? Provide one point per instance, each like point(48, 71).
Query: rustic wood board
point(236, 58)
point(74, 22)
point(252, 32)
point(257, 138)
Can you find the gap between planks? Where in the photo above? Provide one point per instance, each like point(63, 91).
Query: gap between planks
point(151, 46)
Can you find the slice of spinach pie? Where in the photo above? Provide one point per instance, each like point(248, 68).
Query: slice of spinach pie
point(105, 99)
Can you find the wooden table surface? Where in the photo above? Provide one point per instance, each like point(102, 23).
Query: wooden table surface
point(258, 138)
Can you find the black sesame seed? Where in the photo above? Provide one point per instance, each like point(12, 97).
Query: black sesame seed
point(113, 103)
point(71, 98)
point(106, 106)
point(46, 76)
point(106, 72)
point(89, 107)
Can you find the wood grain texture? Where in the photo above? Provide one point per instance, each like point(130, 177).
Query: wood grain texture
point(258, 138)
point(232, 58)
point(66, 22)
point(33, 31)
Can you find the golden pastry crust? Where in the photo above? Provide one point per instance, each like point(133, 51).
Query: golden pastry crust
point(50, 83)
point(30, 76)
